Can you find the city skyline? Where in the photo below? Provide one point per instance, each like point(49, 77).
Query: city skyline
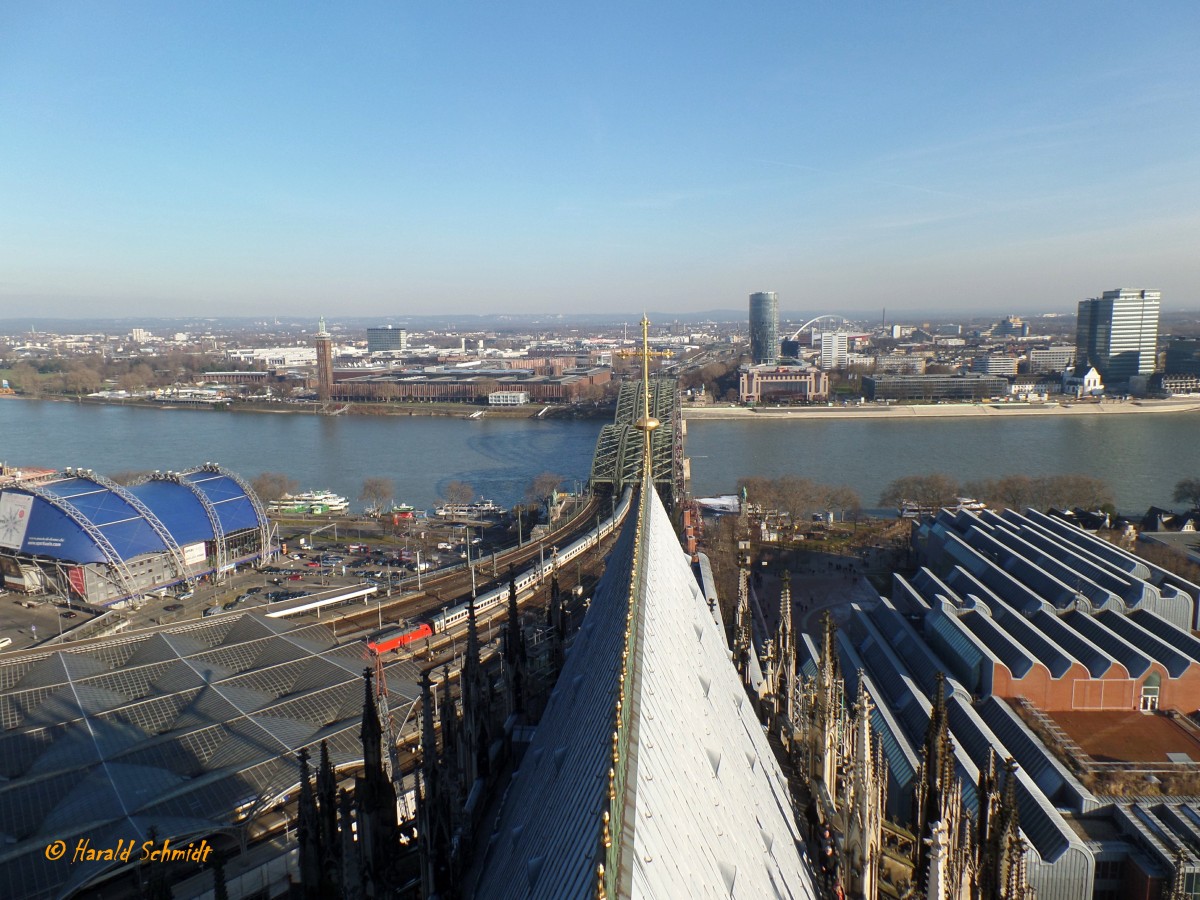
point(383, 161)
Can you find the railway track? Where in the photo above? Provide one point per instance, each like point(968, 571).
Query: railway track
point(442, 590)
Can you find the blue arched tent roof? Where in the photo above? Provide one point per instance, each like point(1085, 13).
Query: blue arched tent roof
point(66, 516)
point(53, 532)
point(178, 508)
point(234, 507)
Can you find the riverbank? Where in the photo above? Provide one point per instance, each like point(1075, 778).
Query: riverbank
point(405, 410)
point(944, 410)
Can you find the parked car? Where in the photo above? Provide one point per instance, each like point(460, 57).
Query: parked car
point(173, 607)
point(253, 590)
point(69, 615)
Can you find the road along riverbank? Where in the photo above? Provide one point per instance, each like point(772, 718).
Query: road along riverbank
point(908, 412)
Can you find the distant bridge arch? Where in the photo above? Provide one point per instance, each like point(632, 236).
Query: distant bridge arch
point(840, 321)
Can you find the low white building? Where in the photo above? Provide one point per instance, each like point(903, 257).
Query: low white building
point(508, 398)
point(1083, 384)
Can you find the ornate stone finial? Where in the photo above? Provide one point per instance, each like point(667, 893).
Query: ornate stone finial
point(607, 833)
point(601, 893)
point(647, 422)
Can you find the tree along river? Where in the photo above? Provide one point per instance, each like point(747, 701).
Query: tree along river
point(1140, 456)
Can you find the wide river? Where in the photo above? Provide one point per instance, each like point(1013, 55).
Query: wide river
point(1140, 456)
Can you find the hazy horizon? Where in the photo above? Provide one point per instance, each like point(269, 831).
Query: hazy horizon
point(374, 160)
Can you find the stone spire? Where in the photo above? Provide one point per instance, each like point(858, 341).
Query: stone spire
point(375, 798)
point(828, 710)
point(453, 789)
point(308, 832)
point(742, 628)
point(936, 780)
point(327, 813)
point(515, 657)
point(785, 661)
point(476, 707)
point(862, 840)
point(434, 827)
point(371, 732)
point(448, 714)
point(1009, 847)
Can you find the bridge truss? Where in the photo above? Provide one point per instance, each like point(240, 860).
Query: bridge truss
point(618, 460)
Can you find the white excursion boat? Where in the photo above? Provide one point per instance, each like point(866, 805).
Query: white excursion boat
point(310, 503)
point(481, 509)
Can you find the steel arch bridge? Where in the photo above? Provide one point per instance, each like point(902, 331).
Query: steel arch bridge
point(618, 460)
point(840, 321)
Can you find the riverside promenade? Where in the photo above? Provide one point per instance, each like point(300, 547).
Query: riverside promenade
point(909, 412)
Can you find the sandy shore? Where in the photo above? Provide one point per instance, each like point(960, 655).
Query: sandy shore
point(946, 410)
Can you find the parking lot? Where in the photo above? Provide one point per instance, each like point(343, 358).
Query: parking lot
point(30, 620)
point(318, 558)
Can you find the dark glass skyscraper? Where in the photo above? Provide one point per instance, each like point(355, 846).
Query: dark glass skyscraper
point(764, 328)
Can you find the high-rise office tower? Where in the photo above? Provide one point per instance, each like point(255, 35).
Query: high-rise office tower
point(386, 339)
point(835, 350)
point(1117, 334)
point(764, 328)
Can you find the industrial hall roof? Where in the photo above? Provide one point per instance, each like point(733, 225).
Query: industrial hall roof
point(677, 779)
point(86, 518)
point(181, 732)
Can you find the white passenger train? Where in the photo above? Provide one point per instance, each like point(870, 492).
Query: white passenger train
point(393, 638)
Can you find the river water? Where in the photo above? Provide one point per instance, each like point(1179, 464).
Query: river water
point(497, 457)
point(1140, 456)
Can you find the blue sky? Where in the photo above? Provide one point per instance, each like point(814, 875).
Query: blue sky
point(391, 158)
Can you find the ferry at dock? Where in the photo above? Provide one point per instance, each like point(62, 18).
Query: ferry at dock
point(482, 509)
point(312, 503)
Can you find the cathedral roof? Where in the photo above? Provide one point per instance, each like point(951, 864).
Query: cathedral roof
point(698, 803)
